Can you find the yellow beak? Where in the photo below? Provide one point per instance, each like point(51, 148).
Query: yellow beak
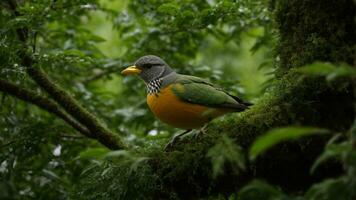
point(131, 70)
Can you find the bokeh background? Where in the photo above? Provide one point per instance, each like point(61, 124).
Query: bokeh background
point(236, 55)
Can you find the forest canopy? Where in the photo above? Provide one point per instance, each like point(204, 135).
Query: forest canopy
point(72, 127)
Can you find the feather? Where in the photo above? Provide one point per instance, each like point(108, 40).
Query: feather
point(199, 91)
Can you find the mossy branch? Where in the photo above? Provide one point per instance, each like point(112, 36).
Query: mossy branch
point(97, 129)
point(43, 103)
point(64, 99)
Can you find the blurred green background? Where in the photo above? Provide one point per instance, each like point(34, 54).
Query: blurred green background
point(234, 59)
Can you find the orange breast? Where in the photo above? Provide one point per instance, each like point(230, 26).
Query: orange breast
point(171, 110)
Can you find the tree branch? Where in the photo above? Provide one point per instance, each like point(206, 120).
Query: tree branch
point(104, 135)
point(42, 102)
point(64, 99)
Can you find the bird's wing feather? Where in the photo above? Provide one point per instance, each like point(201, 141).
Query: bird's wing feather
point(199, 91)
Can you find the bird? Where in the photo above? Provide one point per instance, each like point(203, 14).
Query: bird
point(182, 101)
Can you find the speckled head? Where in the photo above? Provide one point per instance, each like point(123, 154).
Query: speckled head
point(149, 68)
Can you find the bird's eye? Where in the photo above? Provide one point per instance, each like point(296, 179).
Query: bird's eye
point(147, 65)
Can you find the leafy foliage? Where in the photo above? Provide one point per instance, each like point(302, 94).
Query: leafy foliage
point(260, 190)
point(332, 188)
point(278, 135)
point(328, 70)
point(83, 44)
point(333, 151)
point(225, 151)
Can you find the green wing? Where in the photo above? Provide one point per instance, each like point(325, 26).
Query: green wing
point(199, 91)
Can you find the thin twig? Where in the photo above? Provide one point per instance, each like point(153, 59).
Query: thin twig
point(34, 42)
point(99, 75)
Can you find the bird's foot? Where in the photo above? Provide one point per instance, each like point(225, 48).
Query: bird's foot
point(174, 140)
point(202, 131)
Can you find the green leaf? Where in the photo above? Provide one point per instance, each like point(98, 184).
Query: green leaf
point(226, 151)
point(330, 189)
point(328, 70)
point(259, 190)
point(134, 166)
point(278, 135)
point(332, 151)
point(168, 8)
point(73, 52)
point(50, 174)
point(118, 153)
point(94, 153)
point(19, 22)
point(96, 38)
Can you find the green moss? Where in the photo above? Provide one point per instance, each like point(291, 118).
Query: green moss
point(293, 100)
point(315, 30)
